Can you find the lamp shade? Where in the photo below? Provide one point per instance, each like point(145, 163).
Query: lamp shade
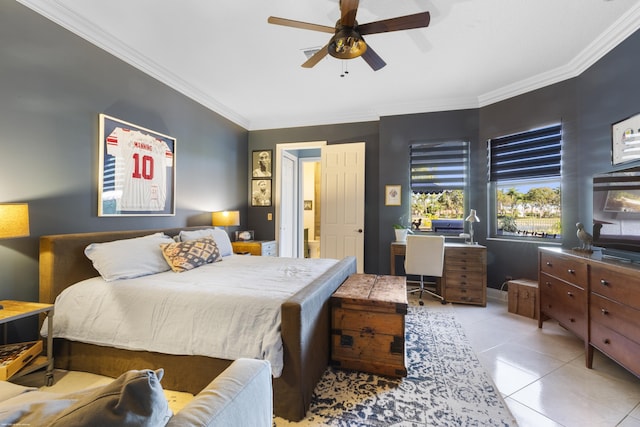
point(225, 218)
point(14, 220)
point(472, 216)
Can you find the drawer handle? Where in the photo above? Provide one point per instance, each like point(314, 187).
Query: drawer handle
point(571, 271)
point(606, 341)
point(604, 282)
point(572, 320)
point(570, 294)
point(548, 284)
point(548, 263)
point(464, 291)
point(604, 311)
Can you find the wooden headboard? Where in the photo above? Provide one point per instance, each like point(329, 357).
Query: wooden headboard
point(63, 262)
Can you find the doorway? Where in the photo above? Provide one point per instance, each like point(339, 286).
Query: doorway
point(291, 192)
point(338, 195)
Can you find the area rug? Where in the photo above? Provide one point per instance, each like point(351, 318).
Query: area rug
point(446, 385)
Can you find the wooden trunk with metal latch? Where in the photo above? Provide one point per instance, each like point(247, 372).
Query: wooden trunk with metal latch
point(368, 324)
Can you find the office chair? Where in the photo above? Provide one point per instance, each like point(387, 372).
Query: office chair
point(425, 257)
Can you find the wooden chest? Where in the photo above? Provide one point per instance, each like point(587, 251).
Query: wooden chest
point(523, 297)
point(368, 324)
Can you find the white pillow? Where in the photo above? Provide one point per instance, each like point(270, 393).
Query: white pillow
point(128, 258)
point(220, 236)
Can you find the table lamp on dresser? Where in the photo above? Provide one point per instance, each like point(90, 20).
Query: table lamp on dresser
point(471, 219)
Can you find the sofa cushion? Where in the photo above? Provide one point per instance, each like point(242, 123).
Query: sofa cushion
point(135, 398)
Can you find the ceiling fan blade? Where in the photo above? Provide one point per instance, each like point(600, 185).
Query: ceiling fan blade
point(316, 57)
point(418, 20)
point(348, 10)
point(373, 59)
point(300, 24)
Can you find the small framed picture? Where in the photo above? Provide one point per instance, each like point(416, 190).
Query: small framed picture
point(244, 236)
point(392, 195)
point(261, 165)
point(625, 140)
point(308, 205)
point(260, 192)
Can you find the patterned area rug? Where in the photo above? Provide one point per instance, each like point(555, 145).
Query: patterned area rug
point(445, 386)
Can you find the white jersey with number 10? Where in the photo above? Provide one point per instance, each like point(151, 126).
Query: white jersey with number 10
point(141, 169)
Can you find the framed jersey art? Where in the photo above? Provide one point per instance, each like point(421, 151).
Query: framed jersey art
point(137, 170)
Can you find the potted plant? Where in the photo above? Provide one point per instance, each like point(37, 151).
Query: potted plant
point(401, 231)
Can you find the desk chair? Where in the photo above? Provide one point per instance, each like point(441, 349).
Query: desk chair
point(425, 257)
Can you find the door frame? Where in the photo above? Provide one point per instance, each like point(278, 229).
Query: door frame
point(292, 148)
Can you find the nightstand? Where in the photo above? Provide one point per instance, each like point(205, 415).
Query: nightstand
point(15, 310)
point(255, 247)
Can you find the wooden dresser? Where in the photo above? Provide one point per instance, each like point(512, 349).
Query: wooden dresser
point(464, 279)
point(255, 247)
point(597, 299)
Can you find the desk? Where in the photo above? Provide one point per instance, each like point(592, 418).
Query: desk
point(464, 278)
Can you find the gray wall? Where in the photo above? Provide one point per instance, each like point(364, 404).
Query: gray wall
point(53, 85)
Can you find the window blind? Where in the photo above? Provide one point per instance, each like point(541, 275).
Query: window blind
point(439, 166)
point(526, 155)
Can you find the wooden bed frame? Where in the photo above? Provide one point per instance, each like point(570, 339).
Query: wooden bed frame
point(305, 328)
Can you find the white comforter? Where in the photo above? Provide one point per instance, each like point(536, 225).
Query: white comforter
point(229, 309)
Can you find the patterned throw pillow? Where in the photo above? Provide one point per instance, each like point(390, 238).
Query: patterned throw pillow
point(183, 256)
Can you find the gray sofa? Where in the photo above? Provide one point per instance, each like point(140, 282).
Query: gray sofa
point(240, 396)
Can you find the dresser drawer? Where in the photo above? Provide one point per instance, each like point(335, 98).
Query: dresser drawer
point(568, 269)
point(617, 285)
point(614, 315)
point(465, 279)
point(465, 295)
point(269, 249)
point(618, 347)
point(564, 302)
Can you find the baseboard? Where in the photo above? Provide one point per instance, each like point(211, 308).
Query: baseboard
point(497, 295)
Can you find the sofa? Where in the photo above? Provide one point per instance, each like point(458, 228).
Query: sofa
point(240, 396)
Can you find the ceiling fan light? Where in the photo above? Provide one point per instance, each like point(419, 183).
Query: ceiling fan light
point(347, 44)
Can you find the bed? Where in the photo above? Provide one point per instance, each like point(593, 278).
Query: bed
point(304, 327)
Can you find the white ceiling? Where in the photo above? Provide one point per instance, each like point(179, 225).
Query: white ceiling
point(226, 56)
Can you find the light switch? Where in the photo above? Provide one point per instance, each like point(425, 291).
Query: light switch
point(269, 216)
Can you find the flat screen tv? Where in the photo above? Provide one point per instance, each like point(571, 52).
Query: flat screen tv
point(616, 211)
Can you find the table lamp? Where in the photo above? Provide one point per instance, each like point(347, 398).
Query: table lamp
point(14, 220)
point(225, 219)
point(471, 219)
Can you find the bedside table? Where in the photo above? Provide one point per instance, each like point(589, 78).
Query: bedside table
point(255, 247)
point(15, 310)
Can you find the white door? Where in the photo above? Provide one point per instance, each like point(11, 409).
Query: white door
point(288, 235)
point(342, 196)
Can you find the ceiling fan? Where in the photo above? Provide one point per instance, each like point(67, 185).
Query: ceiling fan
point(347, 41)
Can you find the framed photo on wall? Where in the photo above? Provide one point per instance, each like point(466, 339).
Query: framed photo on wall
point(260, 192)
point(625, 140)
point(137, 173)
point(261, 164)
point(392, 195)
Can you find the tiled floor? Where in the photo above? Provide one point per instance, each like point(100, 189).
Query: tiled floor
point(541, 373)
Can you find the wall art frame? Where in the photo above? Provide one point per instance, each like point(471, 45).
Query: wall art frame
point(261, 164)
point(260, 192)
point(625, 140)
point(393, 195)
point(137, 170)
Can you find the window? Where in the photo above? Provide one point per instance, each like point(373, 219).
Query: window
point(438, 184)
point(524, 178)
